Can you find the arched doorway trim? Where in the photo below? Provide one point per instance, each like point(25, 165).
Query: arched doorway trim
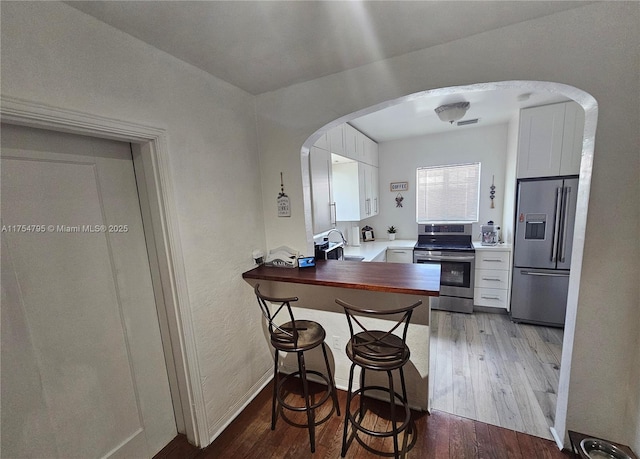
point(590, 107)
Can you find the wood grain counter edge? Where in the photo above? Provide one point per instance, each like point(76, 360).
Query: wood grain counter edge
point(411, 279)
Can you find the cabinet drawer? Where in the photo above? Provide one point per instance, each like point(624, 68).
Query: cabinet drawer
point(492, 278)
point(492, 297)
point(399, 255)
point(489, 259)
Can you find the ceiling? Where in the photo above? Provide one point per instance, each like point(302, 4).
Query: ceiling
point(261, 46)
point(418, 117)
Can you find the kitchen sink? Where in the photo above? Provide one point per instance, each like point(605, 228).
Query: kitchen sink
point(353, 258)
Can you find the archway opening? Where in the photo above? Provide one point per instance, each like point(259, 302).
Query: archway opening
point(549, 92)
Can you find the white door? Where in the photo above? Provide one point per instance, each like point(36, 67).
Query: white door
point(83, 371)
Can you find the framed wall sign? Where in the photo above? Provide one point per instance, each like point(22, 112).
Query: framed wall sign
point(399, 186)
point(284, 205)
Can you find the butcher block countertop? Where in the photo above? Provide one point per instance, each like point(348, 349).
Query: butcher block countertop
point(404, 278)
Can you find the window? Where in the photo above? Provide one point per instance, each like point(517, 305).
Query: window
point(448, 193)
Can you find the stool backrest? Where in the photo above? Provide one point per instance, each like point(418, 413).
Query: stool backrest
point(283, 335)
point(374, 343)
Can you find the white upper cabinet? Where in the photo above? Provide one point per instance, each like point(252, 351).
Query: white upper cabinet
point(321, 190)
point(359, 147)
point(370, 151)
point(572, 139)
point(550, 140)
point(336, 140)
point(351, 137)
point(355, 188)
point(346, 190)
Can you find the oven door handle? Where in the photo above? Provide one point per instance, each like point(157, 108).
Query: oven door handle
point(435, 258)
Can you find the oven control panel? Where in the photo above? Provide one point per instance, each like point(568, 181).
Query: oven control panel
point(460, 229)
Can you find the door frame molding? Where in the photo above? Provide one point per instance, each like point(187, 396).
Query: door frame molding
point(150, 145)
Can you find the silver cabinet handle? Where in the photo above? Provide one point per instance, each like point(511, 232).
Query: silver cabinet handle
point(435, 258)
point(490, 297)
point(531, 273)
point(556, 225)
point(565, 200)
point(492, 259)
point(335, 213)
point(491, 279)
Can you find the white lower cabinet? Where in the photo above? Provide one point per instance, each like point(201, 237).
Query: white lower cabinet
point(382, 257)
point(399, 256)
point(492, 277)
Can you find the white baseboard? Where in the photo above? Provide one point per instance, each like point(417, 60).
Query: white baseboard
point(556, 437)
point(217, 428)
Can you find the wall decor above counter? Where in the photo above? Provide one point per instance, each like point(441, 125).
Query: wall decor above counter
point(399, 186)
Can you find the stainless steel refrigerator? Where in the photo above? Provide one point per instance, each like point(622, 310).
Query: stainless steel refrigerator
point(542, 250)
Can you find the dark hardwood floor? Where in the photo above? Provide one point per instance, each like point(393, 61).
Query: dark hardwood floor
point(439, 435)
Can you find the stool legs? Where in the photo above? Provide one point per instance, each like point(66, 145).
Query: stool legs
point(362, 386)
point(334, 395)
point(347, 414)
point(397, 453)
point(309, 404)
point(394, 423)
point(275, 391)
point(310, 412)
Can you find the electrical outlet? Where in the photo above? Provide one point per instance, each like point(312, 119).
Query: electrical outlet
point(337, 342)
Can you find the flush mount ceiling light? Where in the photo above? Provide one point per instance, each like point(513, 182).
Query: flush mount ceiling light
point(452, 112)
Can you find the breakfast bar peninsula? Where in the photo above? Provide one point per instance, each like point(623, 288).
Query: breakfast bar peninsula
point(382, 286)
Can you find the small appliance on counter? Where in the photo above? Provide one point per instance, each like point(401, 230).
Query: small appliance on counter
point(327, 250)
point(367, 234)
point(489, 234)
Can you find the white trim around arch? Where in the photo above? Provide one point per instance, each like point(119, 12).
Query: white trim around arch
point(151, 159)
point(590, 107)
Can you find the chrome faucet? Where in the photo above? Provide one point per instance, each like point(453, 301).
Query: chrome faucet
point(336, 230)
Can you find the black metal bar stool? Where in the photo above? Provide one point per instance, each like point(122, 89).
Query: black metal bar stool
point(378, 350)
point(297, 336)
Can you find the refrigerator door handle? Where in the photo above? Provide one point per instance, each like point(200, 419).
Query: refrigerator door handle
point(534, 273)
point(556, 225)
point(565, 203)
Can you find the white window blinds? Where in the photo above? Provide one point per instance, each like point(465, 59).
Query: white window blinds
point(448, 193)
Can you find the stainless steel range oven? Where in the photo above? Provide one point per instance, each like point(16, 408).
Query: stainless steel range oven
point(449, 246)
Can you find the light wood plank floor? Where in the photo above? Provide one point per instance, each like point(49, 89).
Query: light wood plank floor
point(486, 368)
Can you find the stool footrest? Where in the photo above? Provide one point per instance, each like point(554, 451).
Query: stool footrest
point(400, 428)
point(324, 398)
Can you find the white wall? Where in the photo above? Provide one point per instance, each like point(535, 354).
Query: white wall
point(509, 204)
point(53, 54)
point(399, 160)
point(570, 48)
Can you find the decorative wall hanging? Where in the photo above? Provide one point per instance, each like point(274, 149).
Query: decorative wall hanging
point(399, 186)
point(399, 199)
point(492, 193)
point(284, 206)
